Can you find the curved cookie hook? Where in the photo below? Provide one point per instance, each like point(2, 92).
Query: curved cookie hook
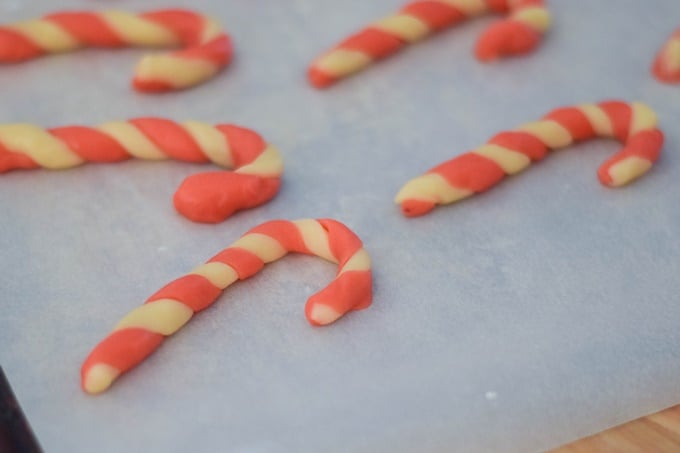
point(666, 67)
point(207, 49)
point(511, 152)
point(205, 197)
point(518, 34)
point(143, 330)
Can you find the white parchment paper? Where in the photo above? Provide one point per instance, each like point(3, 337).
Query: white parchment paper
point(542, 311)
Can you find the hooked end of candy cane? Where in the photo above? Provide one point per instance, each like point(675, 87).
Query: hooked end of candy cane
point(624, 171)
point(351, 290)
point(505, 38)
point(169, 72)
point(214, 196)
point(642, 150)
point(98, 378)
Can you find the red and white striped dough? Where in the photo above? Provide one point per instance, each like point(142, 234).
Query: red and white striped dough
point(666, 66)
point(206, 48)
point(511, 152)
point(143, 330)
point(205, 197)
point(519, 33)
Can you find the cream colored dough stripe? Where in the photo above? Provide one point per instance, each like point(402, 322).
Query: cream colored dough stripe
point(672, 55)
point(536, 17)
point(643, 118)
point(628, 169)
point(45, 149)
point(163, 316)
point(342, 62)
point(135, 30)
point(431, 187)
point(99, 377)
point(211, 30)
point(219, 274)
point(134, 142)
point(47, 35)
point(510, 161)
point(549, 132)
point(599, 120)
point(468, 7)
point(408, 28)
point(175, 71)
point(211, 141)
point(315, 238)
point(360, 261)
point(269, 163)
point(264, 247)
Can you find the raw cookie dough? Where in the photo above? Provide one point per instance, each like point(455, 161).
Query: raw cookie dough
point(206, 48)
point(666, 67)
point(206, 197)
point(511, 152)
point(143, 330)
point(518, 34)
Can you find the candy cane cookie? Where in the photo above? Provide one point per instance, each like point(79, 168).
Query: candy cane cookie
point(143, 330)
point(511, 152)
point(666, 66)
point(206, 48)
point(206, 197)
point(519, 33)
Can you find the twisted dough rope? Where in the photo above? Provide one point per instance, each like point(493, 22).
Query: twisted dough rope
point(511, 152)
point(207, 49)
point(666, 66)
point(143, 330)
point(205, 197)
point(519, 33)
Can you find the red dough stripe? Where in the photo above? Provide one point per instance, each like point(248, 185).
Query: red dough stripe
point(245, 144)
point(471, 172)
point(373, 42)
point(343, 246)
point(285, 232)
point(10, 160)
point(573, 120)
point(87, 28)
point(187, 25)
point(15, 47)
point(90, 144)
point(245, 263)
point(123, 349)
point(435, 14)
point(620, 115)
point(194, 291)
point(171, 138)
point(522, 142)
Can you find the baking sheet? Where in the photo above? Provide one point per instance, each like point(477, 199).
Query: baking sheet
point(537, 313)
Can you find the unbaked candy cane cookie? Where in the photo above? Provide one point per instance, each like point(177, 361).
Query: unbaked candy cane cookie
point(206, 197)
point(206, 48)
point(143, 330)
point(519, 33)
point(510, 152)
point(666, 66)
